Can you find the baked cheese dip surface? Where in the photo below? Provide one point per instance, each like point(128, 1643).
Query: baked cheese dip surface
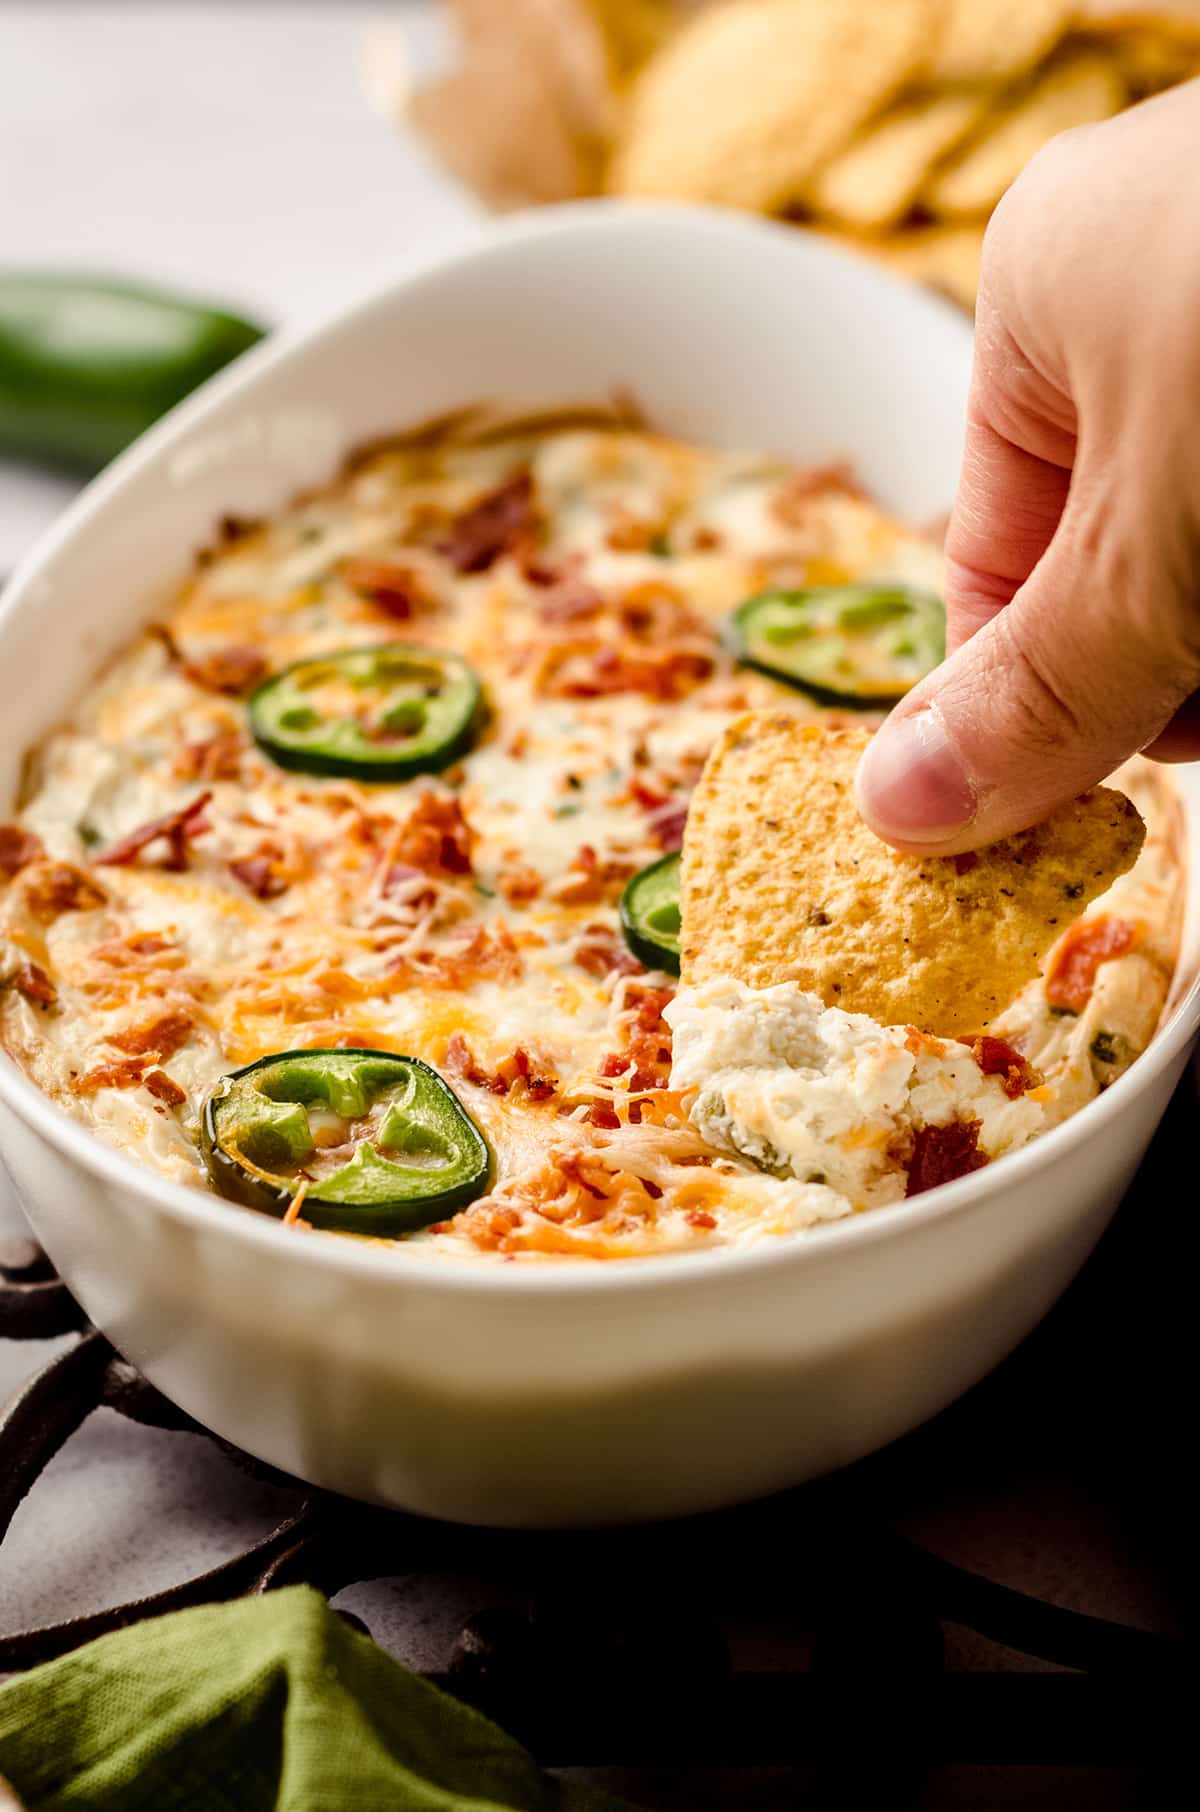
point(350, 889)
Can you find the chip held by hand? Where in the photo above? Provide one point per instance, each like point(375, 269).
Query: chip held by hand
point(783, 881)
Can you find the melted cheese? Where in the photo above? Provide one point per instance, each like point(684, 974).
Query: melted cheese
point(644, 547)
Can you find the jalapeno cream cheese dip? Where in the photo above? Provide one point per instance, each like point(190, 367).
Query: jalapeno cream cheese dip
point(351, 889)
point(839, 1102)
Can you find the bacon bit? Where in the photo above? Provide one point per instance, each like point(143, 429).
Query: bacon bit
point(32, 981)
point(120, 1072)
point(295, 1205)
point(965, 862)
point(127, 952)
point(589, 880)
point(657, 613)
point(602, 1114)
point(60, 887)
point(162, 1036)
point(261, 876)
point(628, 535)
point(646, 1059)
point(574, 1188)
point(461, 1061)
point(18, 848)
point(705, 539)
point(175, 829)
point(399, 591)
point(482, 955)
point(436, 840)
point(233, 671)
point(996, 1057)
point(591, 670)
point(571, 601)
point(700, 1217)
point(164, 1088)
point(519, 885)
point(789, 504)
point(941, 1153)
point(667, 825)
point(599, 951)
point(505, 521)
point(1077, 956)
point(216, 757)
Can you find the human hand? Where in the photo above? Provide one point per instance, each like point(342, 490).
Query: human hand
point(1073, 554)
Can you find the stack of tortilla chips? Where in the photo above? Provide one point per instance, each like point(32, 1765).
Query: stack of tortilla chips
point(894, 124)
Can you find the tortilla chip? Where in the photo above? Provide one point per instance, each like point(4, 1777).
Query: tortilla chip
point(875, 182)
point(993, 41)
point(1151, 59)
point(946, 258)
point(747, 101)
point(782, 881)
point(1082, 87)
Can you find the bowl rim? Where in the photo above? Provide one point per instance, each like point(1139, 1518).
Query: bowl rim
point(197, 1207)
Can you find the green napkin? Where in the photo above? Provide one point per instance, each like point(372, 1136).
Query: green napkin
point(269, 1704)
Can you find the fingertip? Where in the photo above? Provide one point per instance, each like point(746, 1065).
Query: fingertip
point(912, 788)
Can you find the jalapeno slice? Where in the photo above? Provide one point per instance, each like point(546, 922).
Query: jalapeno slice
point(860, 645)
point(650, 914)
point(383, 1144)
point(380, 713)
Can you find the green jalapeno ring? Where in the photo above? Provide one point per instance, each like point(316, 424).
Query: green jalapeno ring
point(826, 640)
point(649, 913)
point(431, 709)
point(371, 1193)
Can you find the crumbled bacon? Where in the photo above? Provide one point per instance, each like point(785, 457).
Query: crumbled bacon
point(941, 1153)
point(117, 1072)
point(126, 953)
point(32, 981)
point(164, 1088)
point(996, 1057)
point(571, 600)
point(435, 840)
point(667, 825)
point(700, 1217)
point(631, 534)
point(790, 503)
point(461, 1061)
point(589, 879)
point(473, 953)
point(18, 848)
point(160, 1037)
point(261, 875)
point(399, 591)
point(234, 670)
point(599, 951)
point(176, 830)
point(646, 1059)
point(519, 885)
point(587, 668)
point(576, 1188)
point(58, 887)
point(657, 613)
point(215, 757)
point(505, 521)
point(1071, 974)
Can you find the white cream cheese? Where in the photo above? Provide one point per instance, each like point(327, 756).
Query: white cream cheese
point(827, 1097)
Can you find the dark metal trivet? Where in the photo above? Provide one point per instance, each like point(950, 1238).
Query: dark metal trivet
point(607, 1659)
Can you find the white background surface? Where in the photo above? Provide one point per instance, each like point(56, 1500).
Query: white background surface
point(223, 146)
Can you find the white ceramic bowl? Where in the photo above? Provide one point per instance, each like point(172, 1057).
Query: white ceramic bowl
point(584, 1394)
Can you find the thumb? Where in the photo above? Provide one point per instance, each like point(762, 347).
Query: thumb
point(1086, 665)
